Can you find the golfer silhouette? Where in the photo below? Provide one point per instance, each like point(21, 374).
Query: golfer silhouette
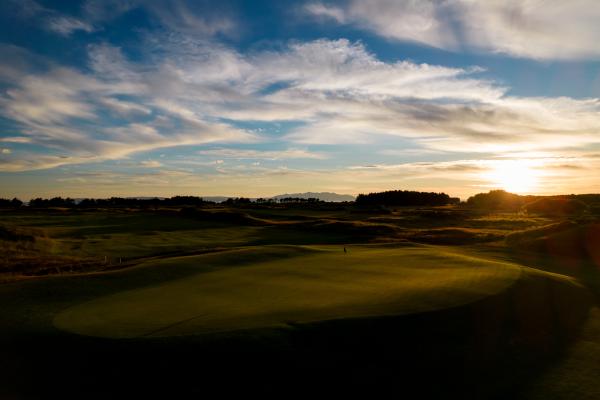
point(345, 251)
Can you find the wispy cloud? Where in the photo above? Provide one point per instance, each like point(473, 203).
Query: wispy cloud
point(262, 154)
point(64, 110)
point(65, 26)
point(150, 164)
point(15, 139)
point(204, 18)
point(50, 19)
point(183, 90)
point(326, 12)
point(522, 28)
point(417, 21)
point(199, 18)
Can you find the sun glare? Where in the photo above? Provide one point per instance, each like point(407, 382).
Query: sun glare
point(515, 176)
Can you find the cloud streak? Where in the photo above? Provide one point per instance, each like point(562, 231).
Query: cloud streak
point(198, 18)
point(49, 19)
point(190, 92)
point(65, 111)
point(243, 154)
point(522, 28)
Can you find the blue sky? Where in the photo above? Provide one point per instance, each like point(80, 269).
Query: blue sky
point(165, 97)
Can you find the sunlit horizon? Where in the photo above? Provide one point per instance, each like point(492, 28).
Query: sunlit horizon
point(543, 176)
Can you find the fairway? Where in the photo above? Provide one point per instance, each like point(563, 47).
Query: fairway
point(317, 283)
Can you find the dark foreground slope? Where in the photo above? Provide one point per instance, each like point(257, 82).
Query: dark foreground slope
point(489, 348)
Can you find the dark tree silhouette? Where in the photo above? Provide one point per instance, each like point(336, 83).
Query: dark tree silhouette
point(496, 200)
point(14, 203)
point(405, 198)
point(53, 202)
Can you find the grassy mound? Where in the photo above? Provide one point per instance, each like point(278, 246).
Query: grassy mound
point(455, 236)
point(526, 237)
point(321, 284)
point(556, 206)
point(564, 240)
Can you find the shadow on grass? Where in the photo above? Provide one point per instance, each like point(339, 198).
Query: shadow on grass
point(486, 349)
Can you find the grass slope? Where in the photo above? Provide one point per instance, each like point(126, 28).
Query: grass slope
point(321, 283)
point(320, 322)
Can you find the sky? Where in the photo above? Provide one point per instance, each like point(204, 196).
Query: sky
point(103, 98)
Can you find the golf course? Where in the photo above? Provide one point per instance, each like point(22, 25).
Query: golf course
point(259, 300)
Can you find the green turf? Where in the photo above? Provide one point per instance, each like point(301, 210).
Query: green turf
point(322, 283)
point(289, 275)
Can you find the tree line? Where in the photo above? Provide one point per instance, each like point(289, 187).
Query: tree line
point(495, 200)
point(68, 202)
point(14, 203)
point(405, 198)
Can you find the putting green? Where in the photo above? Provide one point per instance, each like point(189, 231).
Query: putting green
point(320, 284)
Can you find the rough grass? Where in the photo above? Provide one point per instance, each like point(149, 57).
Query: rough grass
point(92, 239)
point(30, 251)
point(525, 237)
point(78, 242)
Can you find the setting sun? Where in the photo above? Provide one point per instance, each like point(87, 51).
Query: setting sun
point(516, 176)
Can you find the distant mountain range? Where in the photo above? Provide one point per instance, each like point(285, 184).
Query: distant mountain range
point(323, 196)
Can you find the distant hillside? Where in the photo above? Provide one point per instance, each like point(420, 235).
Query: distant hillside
point(323, 196)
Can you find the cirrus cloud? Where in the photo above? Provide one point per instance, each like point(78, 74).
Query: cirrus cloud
point(191, 92)
point(523, 28)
